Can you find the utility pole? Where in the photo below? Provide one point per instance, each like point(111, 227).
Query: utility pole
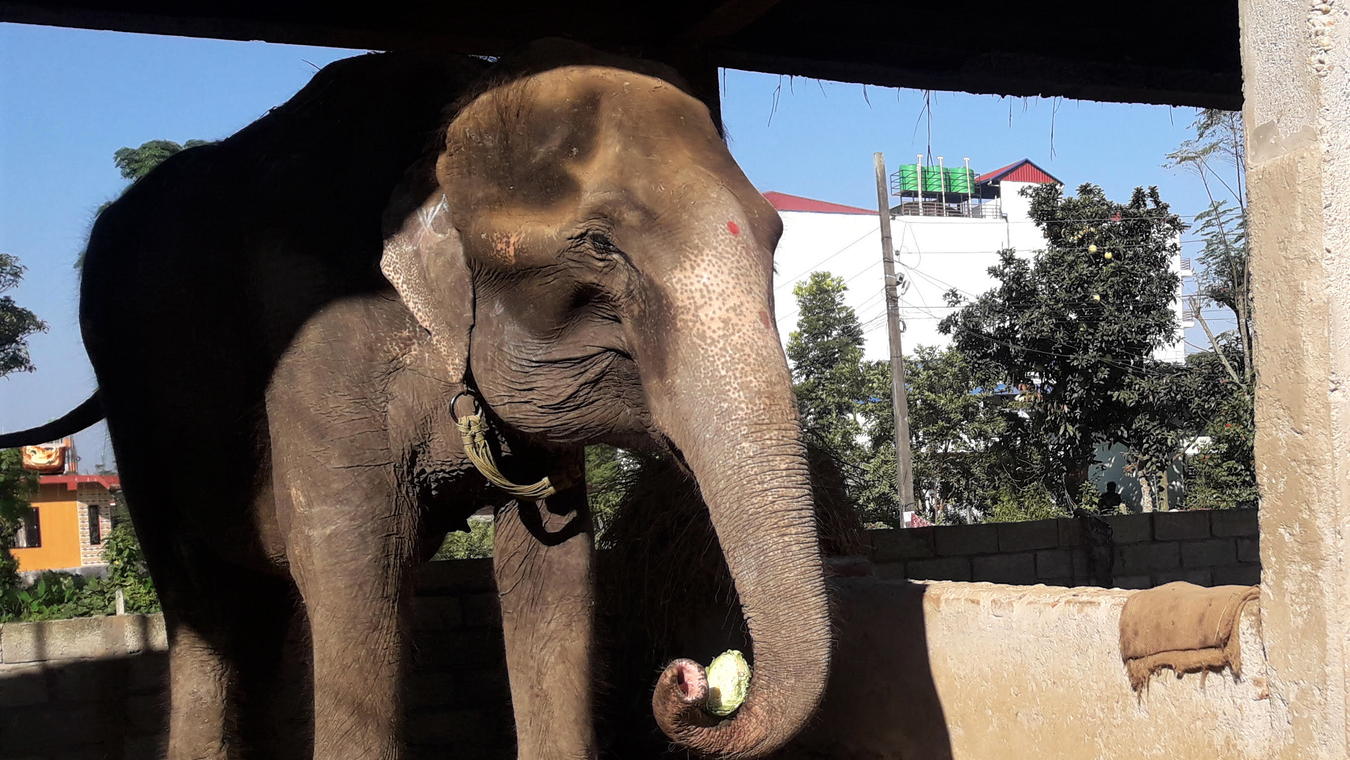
point(903, 479)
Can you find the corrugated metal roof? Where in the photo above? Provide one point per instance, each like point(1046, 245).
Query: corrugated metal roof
point(785, 202)
point(1020, 171)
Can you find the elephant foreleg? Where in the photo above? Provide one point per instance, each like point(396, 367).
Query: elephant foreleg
point(542, 558)
point(350, 548)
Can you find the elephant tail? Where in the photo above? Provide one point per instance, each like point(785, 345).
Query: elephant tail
point(77, 419)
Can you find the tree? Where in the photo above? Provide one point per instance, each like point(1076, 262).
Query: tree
point(1078, 322)
point(827, 371)
point(135, 163)
point(1224, 277)
point(606, 483)
point(16, 322)
point(16, 485)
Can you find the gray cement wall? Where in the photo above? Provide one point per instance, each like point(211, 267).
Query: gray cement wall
point(919, 665)
point(1150, 549)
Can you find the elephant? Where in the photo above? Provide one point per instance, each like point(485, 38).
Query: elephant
point(291, 327)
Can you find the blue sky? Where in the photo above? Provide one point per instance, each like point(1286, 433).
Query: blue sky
point(70, 98)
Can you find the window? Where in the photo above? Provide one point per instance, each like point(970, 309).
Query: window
point(95, 530)
point(30, 534)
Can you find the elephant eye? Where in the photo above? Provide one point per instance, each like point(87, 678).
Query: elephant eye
point(601, 242)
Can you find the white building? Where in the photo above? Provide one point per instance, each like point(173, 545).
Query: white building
point(940, 243)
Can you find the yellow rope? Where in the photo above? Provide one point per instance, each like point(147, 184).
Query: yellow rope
point(474, 430)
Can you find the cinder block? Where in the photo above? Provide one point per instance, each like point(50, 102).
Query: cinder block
point(1234, 522)
point(1064, 582)
point(79, 638)
point(148, 673)
point(1025, 536)
point(940, 569)
point(1208, 553)
point(466, 688)
point(909, 543)
point(142, 633)
point(1133, 582)
point(481, 611)
point(890, 571)
point(1237, 575)
point(955, 540)
point(1180, 526)
point(1070, 531)
point(1130, 529)
point(1200, 577)
point(1081, 576)
point(1249, 550)
point(147, 714)
point(48, 730)
point(436, 613)
point(1017, 569)
point(456, 576)
point(145, 747)
point(22, 685)
point(1054, 563)
point(457, 650)
point(1140, 559)
point(73, 682)
point(444, 727)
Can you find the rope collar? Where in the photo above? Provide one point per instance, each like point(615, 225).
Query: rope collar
point(473, 428)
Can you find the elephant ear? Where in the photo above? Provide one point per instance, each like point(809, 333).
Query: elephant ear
point(424, 260)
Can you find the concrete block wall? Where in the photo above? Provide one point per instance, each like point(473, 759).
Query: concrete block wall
point(95, 687)
point(1206, 548)
point(83, 688)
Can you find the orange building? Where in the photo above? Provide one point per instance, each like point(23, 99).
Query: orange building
point(71, 515)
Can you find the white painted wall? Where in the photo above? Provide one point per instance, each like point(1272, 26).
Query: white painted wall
point(933, 255)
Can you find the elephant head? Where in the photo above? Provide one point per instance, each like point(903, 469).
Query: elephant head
point(592, 257)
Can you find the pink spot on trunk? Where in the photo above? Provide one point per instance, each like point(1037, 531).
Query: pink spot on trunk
point(735, 228)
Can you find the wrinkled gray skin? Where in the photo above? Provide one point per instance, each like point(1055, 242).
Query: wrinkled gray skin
point(578, 246)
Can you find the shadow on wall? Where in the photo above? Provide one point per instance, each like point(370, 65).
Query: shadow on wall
point(665, 592)
point(881, 700)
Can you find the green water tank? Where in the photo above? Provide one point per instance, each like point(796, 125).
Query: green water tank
point(959, 180)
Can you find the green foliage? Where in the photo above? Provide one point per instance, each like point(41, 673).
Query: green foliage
point(16, 485)
point(1029, 503)
point(827, 371)
point(16, 322)
point(135, 163)
point(475, 544)
point(1078, 326)
point(606, 482)
point(127, 569)
point(57, 595)
point(1222, 474)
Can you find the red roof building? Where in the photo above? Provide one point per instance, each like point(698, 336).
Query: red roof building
point(1021, 171)
point(785, 202)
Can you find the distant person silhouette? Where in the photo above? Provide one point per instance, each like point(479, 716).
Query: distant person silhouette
point(1110, 500)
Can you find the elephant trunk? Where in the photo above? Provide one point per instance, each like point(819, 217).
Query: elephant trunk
point(728, 405)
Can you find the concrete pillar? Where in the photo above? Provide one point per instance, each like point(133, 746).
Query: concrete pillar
point(1296, 57)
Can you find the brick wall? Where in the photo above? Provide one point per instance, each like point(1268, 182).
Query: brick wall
point(94, 688)
point(1150, 549)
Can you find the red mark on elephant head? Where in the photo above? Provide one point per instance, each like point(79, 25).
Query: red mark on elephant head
point(735, 228)
point(764, 320)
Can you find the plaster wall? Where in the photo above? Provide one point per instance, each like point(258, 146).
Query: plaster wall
point(1297, 94)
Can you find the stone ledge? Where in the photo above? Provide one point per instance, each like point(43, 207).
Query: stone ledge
point(82, 638)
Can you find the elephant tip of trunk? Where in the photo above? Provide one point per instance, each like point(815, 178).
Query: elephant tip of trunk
point(679, 702)
point(686, 681)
